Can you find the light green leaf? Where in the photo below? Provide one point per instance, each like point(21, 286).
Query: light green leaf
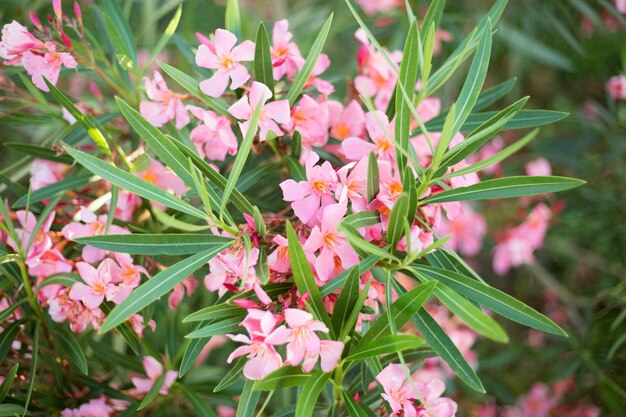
point(522, 120)
point(229, 325)
point(153, 392)
point(167, 35)
point(287, 376)
point(397, 217)
point(214, 312)
point(247, 400)
point(362, 219)
point(385, 345)
point(310, 392)
point(119, 30)
point(156, 244)
point(70, 183)
point(232, 18)
point(357, 242)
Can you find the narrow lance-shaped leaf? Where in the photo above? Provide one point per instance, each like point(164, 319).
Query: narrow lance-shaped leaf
point(156, 244)
point(157, 286)
point(507, 187)
point(310, 392)
point(153, 392)
point(433, 15)
point(165, 38)
point(119, 30)
point(373, 179)
point(397, 217)
point(337, 282)
point(386, 345)
point(248, 400)
point(232, 18)
point(311, 59)
point(493, 299)
point(287, 376)
point(493, 94)
point(74, 351)
point(303, 276)
point(263, 69)
point(346, 301)
point(132, 183)
point(8, 381)
point(70, 183)
point(522, 120)
point(229, 325)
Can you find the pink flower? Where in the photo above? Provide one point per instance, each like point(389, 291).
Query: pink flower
point(433, 404)
point(162, 177)
point(91, 225)
point(271, 113)
point(353, 184)
point(163, 105)
point(153, 370)
point(309, 196)
point(62, 308)
point(189, 285)
point(47, 65)
point(381, 133)
point(96, 407)
point(44, 173)
point(286, 58)
point(98, 283)
point(539, 167)
point(279, 259)
point(620, 5)
point(398, 392)
point(310, 118)
point(346, 121)
point(335, 251)
point(223, 57)
point(513, 251)
point(305, 346)
point(232, 266)
point(323, 86)
point(616, 86)
point(16, 41)
point(467, 231)
point(260, 346)
point(371, 7)
point(536, 225)
point(214, 138)
point(538, 402)
point(126, 204)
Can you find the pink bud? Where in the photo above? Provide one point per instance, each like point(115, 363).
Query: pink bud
point(35, 20)
point(78, 12)
point(205, 41)
point(231, 287)
point(58, 10)
point(95, 90)
point(50, 19)
point(66, 40)
point(357, 398)
point(247, 304)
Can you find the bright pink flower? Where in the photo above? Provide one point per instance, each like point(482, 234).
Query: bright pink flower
point(346, 121)
point(91, 225)
point(271, 113)
point(398, 392)
point(310, 118)
point(16, 41)
point(467, 231)
point(380, 132)
point(335, 251)
point(232, 266)
point(286, 58)
point(154, 370)
point(224, 57)
point(309, 196)
point(44, 173)
point(162, 177)
point(47, 65)
point(98, 283)
point(353, 184)
point(539, 167)
point(163, 105)
point(260, 346)
point(279, 259)
point(214, 138)
point(616, 86)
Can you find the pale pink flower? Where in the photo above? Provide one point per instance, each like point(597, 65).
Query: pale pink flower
point(309, 196)
point(513, 251)
point(433, 404)
point(230, 267)
point(335, 251)
point(154, 370)
point(260, 345)
point(127, 277)
point(163, 105)
point(214, 138)
point(16, 41)
point(278, 260)
point(44, 173)
point(323, 86)
point(272, 114)
point(616, 86)
point(419, 240)
point(98, 283)
point(539, 402)
point(398, 392)
point(127, 202)
point(353, 184)
point(286, 58)
point(47, 65)
point(188, 285)
point(381, 132)
point(310, 118)
point(539, 167)
point(429, 108)
point(91, 225)
point(371, 7)
point(62, 308)
point(163, 178)
point(620, 5)
point(224, 57)
point(41, 242)
point(467, 231)
point(96, 407)
point(535, 227)
point(348, 121)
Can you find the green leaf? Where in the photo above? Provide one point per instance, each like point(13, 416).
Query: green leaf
point(84, 120)
point(69, 183)
point(311, 59)
point(165, 38)
point(248, 400)
point(232, 18)
point(385, 345)
point(355, 409)
point(263, 70)
point(12, 410)
point(493, 94)
point(132, 183)
point(156, 244)
point(295, 168)
point(39, 152)
point(441, 343)
point(303, 276)
point(233, 375)
point(287, 376)
point(6, 313)
point(174, 223)
point(347, 300)
point(337, 282)
point(433, 15)
point(153, 392)
point(229, 325)
point(405, 307)
point(405, 89)
point(310, 392)
point(507, 187)
point(119, 30)
point(8, 381)
point(64, 279)
point(191, 85)
point(373, 179)
point(362, 219)
point(33, 366)
point(7, 337)
point(191, 351)
point(75, 353)
point(493, 299)
point(522, 120)
point(201, 408)
point(157, 286)
point(242, 155)
point(357, 242)
point(214, 312)
point(397, 217)
point(127, 333)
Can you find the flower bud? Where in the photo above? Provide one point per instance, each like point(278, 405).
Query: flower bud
point(66, 40)
point(35, 20)
point(95, 90)
point(78, 13)
point(58, 11)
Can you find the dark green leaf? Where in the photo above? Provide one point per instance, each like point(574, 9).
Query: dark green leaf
point(230, 325)
point(75, 353)
point(263, 69)
point(385, 345)
point(310, 392)
point(287, 376)
point(156, 244)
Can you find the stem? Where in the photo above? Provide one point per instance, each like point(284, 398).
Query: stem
point(338, 388)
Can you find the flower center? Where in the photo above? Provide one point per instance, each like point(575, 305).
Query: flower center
point(342, 130)
point(97, 227)
point(384, 146)
point(331, 239)
point(98, 288)
point(320, 186)
point(227, 63)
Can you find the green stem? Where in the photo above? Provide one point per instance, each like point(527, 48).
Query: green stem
point(338, 386)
